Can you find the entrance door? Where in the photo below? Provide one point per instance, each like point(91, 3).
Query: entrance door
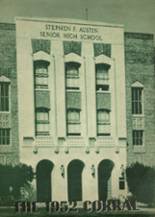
point(44, 189)
point(75, 169)
point(104, 173)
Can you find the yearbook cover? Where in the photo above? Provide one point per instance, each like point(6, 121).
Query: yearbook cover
point(77, 108)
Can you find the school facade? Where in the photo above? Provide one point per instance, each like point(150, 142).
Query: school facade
point(77, 103)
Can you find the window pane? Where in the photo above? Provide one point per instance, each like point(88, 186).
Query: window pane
point(73, 129)
point(73, 116)
point(4, 96)
point(136, 100)
point(72, 70)
point(4, 136)
point(103, 116)
point(42, 116)
point(41, 73)
point(103, 123)
point(73, 122)
point(137, 137)
point(41, 81)
point(42, 122)
point(42, 127)
point(102, 71)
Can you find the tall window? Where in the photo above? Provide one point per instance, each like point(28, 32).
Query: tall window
point(41, 74)
point(73, 122)
point(42, 121)
point(137, 137)
point(4, 136)
point(4, 96)
point(137, 100)
point(72, 75)
point(103, 122)
point(102, 77)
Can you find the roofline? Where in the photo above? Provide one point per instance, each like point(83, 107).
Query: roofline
point(69, 21)
point(139, 35)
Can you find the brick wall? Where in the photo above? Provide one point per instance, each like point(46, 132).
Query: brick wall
point(139, 61)
point(9, 153)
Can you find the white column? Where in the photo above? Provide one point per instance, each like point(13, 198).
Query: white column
point(90, 183)
point(115, 182)
point(25, 88)
point(59, 184)
point(118, 53)
point(52, 88)
point(60, 88)
point(90, 89)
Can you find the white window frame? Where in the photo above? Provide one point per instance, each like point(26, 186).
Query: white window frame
point(137, 85)
point(41, 75)
point(4, 80)
point(6, 137)
point(134, 143)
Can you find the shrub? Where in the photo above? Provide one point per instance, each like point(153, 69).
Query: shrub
point(141, 182)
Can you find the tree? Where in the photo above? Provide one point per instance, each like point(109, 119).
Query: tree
point(12, 178)
point(141, 182)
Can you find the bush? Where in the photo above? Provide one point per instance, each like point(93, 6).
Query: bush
point(12, 178)
point(141, 182)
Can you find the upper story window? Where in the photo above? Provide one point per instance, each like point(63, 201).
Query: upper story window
point(72, 70)
point(41, 73)
point(73, 122)
point(137, 136)
point(4, 136)
point(4, 96)
point(103, 116)
point(42, 121)
point(73, 116)
point(137, 100)
point(102, 77)
point(103, 122)
point(72, 75)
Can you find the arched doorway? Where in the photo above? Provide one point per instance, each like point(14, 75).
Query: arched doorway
point(104, 173)
point(75, 169)
point(43, 172)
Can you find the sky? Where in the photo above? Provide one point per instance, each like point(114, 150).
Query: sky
point(135, 15)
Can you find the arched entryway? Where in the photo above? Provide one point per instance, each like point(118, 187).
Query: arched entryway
point(75, 169)
point(104, 173)
point(43, 172)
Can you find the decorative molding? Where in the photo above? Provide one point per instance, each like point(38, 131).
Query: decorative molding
point(41, 55)
point(72, 57)
point(137, 84)
point(102, 59)
point(4, 79)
